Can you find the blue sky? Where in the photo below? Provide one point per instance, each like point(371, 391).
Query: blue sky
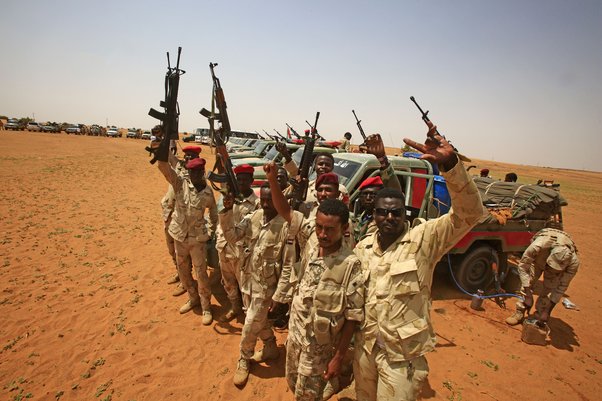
point(513, 81)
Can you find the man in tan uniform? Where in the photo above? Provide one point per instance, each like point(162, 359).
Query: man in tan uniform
point(345, 144)
point(551, 253)
point(328, 295)
point(188, 228)
point(390, 361)
point(264, 234)
point(230, 253)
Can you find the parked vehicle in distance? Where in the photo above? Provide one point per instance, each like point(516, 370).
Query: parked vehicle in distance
point(13, 125)
point(73, 129)
point(113, 133)
point(33, 126)
point(206, 140)
point(146, 135)
point(131, 134)
point(49, 128)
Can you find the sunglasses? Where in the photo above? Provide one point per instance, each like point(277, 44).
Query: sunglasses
point(397, 212)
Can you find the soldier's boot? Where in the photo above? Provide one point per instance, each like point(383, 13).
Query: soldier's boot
point(207, 318)
point(174, 279)
point(242, 372)
point(332, 387)
point(235, 311)
point(179, 290)
point(268, 352)
point(189, 305)
point(516, 318)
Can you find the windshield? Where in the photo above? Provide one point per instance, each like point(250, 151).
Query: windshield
point(259, 147)
point(345, 169)
point(272, 154)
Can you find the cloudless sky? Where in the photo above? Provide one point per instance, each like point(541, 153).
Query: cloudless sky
point(513, 81)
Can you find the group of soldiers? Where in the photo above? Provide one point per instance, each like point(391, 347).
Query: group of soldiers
point(363, 280)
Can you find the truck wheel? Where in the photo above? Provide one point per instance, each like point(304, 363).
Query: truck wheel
point(474, 272)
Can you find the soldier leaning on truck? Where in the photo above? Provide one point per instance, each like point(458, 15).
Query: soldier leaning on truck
point(551, 253)
point(397, 332)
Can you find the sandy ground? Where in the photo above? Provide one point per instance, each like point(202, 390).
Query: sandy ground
point(86, 314)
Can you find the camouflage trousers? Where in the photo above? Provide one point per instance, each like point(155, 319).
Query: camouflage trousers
point(256, 324)
point(191, 253)
point(551, 280)
point(378, 379)
point(305, 367)
point(230, 271)
point(171, 246)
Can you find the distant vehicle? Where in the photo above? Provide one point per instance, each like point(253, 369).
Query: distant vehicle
point(113, 133)
point(49, 128)
point(131, 134)
point(206, 140)
point(73, 129)
point(146, 135)
point(33, 126)
point(13, 125)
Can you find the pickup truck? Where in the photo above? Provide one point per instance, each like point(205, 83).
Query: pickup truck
point(487, 243)
point(13, 125)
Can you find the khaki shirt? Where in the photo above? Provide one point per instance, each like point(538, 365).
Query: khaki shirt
point(167, 204)
point(239, 211)
point(188, 217)
point(265, 255)
point(399, 279)
point(345, 145)
point(533, 262)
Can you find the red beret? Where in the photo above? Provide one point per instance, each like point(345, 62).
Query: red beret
point(192, 149)
point(307, 132)
point(485, 171)
point(375, 181)
point(244, 168)
point(195, 163)
point(327, 178)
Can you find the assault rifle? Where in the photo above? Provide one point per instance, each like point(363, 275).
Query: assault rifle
point(293, 131)
point(225, 175)
point(168, 118)
point(359, 125)
point(312, 128)
point(272, 137)
point(426, 119)
point(300, 189)
point(280, 135)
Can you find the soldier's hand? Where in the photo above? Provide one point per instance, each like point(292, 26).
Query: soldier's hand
point(228, 201)
point(281, 147)
point(375, 146)
point(271, 170)
point(435, 149)
point(334, 367)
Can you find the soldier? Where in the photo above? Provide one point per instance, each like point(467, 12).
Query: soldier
point(389, 361)
point(231, 253)
point(345, 144)
point(265, 255)
point(167, 204)
point(551, 253)
point(323, 163)
point(328, 295)
point(188, 228)
point(363, 223)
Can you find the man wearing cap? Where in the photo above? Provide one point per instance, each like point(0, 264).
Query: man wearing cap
point(551, 253)
point(485, 173)
point(265, 256)
point(323, 163)
point(363, 223)
point(188, 228)
point(398, 261)
point(231, 253)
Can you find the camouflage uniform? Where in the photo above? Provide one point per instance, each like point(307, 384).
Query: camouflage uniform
point(167, 205)
point(264, 257)
point(345, 145)
point(188, 228)
point(317, 316)
point(534, 263)
point(389, 361)
point(292, 170)
point(230, 253)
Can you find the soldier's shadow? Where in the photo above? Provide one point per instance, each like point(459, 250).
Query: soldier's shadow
point(562, 335)
point(270, 369)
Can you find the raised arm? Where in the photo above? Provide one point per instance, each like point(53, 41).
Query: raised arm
point(374, 145)
point(278, 198)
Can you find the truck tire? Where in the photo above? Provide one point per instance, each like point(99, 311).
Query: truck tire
point(474, 272)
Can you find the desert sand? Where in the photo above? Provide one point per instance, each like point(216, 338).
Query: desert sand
point(86, 312)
